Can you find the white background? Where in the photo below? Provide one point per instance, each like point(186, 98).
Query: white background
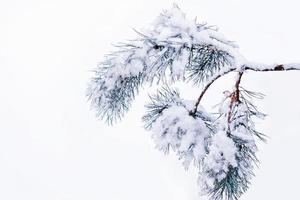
point(53, 148)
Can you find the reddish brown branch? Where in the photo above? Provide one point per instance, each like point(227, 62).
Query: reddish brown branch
point(235, 96)
point(207, 86)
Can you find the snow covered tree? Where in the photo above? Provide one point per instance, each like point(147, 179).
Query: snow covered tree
point(222, 146)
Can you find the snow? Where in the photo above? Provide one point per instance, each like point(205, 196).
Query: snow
point(222, 154)
point(178, 66)
point(292, 65)
point(172, 24)
point(186, 135)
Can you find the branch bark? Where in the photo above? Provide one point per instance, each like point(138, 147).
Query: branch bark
point(280, 67)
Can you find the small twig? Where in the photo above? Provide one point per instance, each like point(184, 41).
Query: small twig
point(235, 96)
point(207, 86)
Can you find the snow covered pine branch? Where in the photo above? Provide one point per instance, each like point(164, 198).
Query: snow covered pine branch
point(221, 146)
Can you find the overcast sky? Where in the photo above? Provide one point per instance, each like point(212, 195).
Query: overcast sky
point(53, 148)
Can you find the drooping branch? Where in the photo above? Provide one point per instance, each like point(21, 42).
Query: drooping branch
point(176, 48)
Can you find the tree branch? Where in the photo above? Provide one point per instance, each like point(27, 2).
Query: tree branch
point(265, 68)
point(248, 66)
point(212, 80)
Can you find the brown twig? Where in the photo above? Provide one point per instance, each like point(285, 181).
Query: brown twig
point(207, 86)
point(235, 96)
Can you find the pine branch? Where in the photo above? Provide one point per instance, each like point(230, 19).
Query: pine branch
point(175, 48)
point(206, 61)
point(165, 98)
